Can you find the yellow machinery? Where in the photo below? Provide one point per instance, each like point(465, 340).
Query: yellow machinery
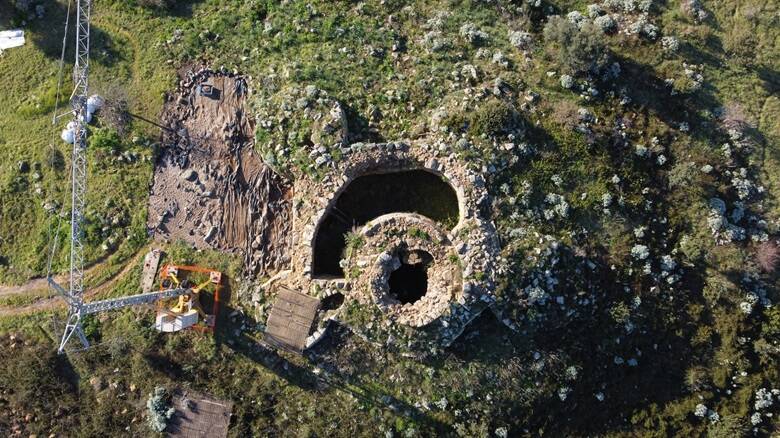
point(187, 309)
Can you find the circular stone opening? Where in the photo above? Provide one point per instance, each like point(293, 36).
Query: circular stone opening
point(409, 283)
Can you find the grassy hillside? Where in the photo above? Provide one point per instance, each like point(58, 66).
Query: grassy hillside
point(632, 151)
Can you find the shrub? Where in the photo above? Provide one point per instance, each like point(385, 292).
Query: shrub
point(578, 48)
point(567, 81)
point(493, 118)
point(606, 23)
point(105, 139)
point(158, 409)
point(767, 256)
point(670, 44)
point(521, 40)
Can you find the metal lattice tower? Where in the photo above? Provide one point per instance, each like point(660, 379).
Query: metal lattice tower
point(78, 100)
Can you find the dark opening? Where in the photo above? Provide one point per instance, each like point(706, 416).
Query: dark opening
point(371, 196)
point(409, 283)
point(332, 302)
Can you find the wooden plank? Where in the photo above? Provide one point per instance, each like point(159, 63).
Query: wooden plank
point(203, 417)
point(291, 319)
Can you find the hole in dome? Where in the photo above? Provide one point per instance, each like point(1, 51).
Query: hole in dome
point(409, 283)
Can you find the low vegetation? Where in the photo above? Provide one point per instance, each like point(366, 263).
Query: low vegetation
point(631, 153)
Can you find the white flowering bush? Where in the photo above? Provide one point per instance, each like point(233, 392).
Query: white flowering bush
point(472, 34)
point(594, 10)
point(433, 41)
point(559, 206)
point(606, 23)
point(643, 27)
point(640, 252)
point(519, 39)
point(567, 82)
point(670, 44)
point(694, 9)
point(575, 17)
point(764, 399)
point(722, 230)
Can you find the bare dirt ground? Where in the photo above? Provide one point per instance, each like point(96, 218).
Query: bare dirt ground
point(210, 188)
point(53, 301)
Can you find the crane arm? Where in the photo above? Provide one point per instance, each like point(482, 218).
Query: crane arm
point(132, 300)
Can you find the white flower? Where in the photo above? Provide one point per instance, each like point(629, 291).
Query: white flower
point(606, 200)
point(567, 81)
point(700, 411)
point(563, 392)
point(618, 360)
point(502, 432)
point(670, 44)
point(668, 263)
point(594, 10)
point(521, 40)
point(755, 419)
point(713, 416)
point(763, 399)
point(641, 151)
point(599, 396)
point(606, 23)
point(640, 252)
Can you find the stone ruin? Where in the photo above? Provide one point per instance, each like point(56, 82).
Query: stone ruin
point(451, 269)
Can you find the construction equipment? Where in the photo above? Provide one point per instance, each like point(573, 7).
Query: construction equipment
point(187, 308)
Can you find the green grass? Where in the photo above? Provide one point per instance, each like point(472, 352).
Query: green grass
point(695, 330)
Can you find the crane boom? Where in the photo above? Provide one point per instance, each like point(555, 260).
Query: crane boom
point(132, 300)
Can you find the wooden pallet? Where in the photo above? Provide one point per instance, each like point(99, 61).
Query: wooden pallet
point(291, 319)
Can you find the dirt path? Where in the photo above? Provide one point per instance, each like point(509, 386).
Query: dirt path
point(53, 301)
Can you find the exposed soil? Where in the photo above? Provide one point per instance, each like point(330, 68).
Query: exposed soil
point(210, 188)
point(54, 301)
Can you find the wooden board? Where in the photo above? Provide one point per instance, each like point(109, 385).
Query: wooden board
point(291, 318)
point(151, 263)
point(203, 416)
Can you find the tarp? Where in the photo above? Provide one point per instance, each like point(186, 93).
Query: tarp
point(11, 38)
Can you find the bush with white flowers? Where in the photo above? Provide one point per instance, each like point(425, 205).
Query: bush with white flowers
point(567, 82)
point(640, 252)
point(472, 34)
point(606, 23)
point(519, 39)
point(670, 44)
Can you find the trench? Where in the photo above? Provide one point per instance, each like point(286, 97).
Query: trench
point(370, 196)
